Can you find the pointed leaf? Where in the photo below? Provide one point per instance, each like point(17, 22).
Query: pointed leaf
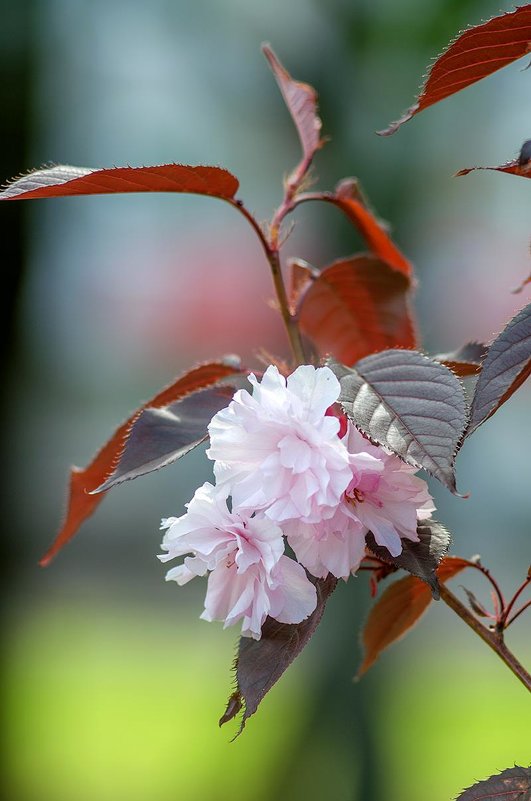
point(465, 361)
point(474, 54)
point(260, 663)
point(159, 437)
point(421, 558)
point(348, 198)
point(520, 166)
point(83, 480)
point(512, 784)
point(408, 403)
point(506, 367)
point(301, 100)
point(62, 180)
point(398, 609)
point(355, 307)
point(475, 605)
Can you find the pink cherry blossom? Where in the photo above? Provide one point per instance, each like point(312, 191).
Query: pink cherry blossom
point(249, 576)
point(278, 451)
point(383, 496)
point(389, 503)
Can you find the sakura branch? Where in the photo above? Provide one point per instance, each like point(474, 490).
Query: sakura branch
point(315, 465)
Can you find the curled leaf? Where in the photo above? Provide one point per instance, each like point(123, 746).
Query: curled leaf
point(420, 558)
point(398, 609)
point(301, 100)
point(260, 663)
point(83, 480)
point(465, 361)
point(408, 403)
point(474, 54)
point(347, 196)
point(62, 180)
point(355, 307)
point(506, 367)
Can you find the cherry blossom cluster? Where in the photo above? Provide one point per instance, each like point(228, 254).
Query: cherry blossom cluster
point(288, 466)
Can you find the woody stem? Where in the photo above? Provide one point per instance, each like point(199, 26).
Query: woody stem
point(493, 639)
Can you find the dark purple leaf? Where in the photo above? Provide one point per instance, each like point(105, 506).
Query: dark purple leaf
point(512, 784)
point(408, 403)
point(161, 436)
point(81, 504)
point(260, 663)
point(506, 367)
point(421, 558)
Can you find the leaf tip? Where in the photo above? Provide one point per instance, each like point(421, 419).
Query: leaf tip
point(393, 127)
point(234, 706)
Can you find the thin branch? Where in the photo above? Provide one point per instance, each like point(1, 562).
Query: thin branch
point(510, 605)
point(270, 247)
point(486, 572)
point(517, 614)
point(493, 639)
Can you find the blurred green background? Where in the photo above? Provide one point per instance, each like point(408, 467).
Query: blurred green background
point(112, 687)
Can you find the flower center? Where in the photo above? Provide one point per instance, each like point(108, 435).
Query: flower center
point(355, 496)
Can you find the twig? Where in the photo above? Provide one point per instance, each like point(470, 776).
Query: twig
point(271, 250)
point(493, 639)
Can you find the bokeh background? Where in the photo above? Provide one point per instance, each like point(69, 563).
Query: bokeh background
point(112, 687)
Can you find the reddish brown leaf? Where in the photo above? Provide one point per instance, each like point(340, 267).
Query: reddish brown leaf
point(520, 166)
point(260, 663)
point(301, 100)
point(349, 200)
point(83, 480)
point(399, 608)
point(62, 180)
point(512, 167)
point(465, 361)
point(476, 53)
point(355, 307)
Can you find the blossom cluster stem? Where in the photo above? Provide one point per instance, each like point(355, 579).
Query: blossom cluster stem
point(492, 638)
point(271, 250)
point(290, 321)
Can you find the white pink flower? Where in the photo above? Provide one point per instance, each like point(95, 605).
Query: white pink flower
point(383, 496)
point(277, 451)
point(249, 576)
point(291, 467)
point(389, 503)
